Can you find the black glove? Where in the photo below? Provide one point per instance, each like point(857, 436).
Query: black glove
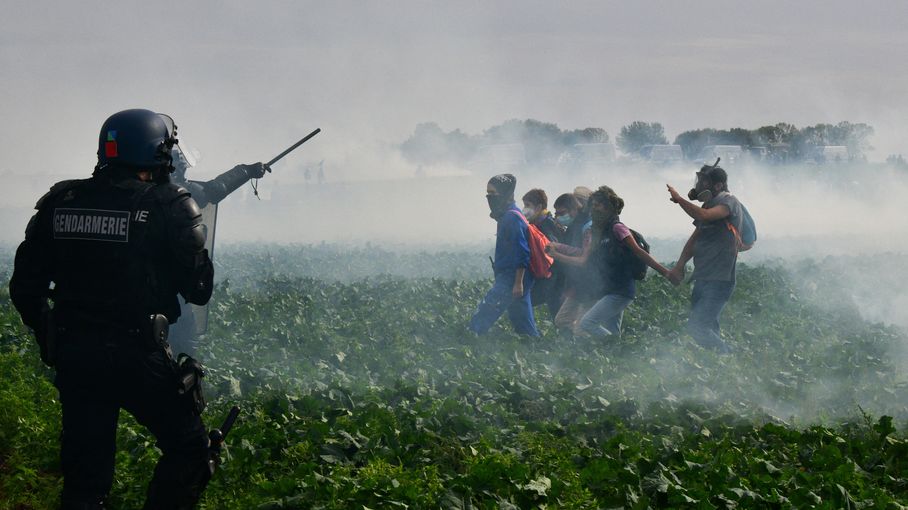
point(255, 170)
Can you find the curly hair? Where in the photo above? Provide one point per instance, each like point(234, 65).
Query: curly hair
point(607, 195)
point(538, 197)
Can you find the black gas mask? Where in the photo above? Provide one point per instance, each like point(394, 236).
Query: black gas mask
point(702, 190)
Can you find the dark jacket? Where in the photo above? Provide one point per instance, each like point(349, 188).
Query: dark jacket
point(612, 260)
point(116, 251)
point(217, 189)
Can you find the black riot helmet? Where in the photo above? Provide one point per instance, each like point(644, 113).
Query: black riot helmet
point(137, 139)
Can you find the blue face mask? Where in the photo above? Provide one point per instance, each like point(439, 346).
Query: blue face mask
point(564, 220)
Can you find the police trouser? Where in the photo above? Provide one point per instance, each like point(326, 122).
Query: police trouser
point(97, 377)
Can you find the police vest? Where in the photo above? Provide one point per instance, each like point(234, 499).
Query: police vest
point(109, 252)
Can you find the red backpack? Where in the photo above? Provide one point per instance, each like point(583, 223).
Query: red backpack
point(540, 261)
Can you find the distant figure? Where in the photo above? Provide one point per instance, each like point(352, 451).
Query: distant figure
point(321, 172)
point(714, 248)
point(307, 175)
point(513, 281)
point(545, 291)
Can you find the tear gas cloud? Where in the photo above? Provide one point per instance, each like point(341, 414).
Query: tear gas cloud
point(371, 194)
point(243, 82)
point(802, 212)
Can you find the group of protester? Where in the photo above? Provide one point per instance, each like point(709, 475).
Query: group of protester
point(596, 259)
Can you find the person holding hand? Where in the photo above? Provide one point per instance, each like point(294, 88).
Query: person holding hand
point(713, 246)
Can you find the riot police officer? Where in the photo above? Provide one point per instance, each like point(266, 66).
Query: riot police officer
point(207, 195)
point(217, 189)
point(97, 279)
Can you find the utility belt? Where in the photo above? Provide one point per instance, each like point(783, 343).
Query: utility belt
point(150, 336)
point(149, 333)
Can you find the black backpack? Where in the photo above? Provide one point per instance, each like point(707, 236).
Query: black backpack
point(635, 264)
point(636, 267)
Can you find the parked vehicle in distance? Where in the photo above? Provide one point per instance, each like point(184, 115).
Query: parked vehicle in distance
point(662, 154)
point(729, 154)
point(583, 156)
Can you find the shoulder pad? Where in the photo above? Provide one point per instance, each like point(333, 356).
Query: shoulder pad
point(179, 203)
point(169, 192)
point(58, 188)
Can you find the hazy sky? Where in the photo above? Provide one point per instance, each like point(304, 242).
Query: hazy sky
point(244, 79)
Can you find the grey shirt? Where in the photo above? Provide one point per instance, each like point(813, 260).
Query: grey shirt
point(716, 249)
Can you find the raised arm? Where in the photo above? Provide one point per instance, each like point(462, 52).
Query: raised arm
point(695, 211)
point(218, 188)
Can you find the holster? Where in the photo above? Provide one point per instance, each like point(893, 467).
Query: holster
point(155, 332)
point(189, 381)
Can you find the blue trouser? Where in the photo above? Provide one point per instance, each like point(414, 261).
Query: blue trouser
point(604, 318)
point(707, 301)
point(499, 299)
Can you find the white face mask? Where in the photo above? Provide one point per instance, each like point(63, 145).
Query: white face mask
point(529, 212)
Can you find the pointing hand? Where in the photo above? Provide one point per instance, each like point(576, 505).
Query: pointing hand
point(675, 196)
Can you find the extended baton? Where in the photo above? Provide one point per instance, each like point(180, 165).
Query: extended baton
point(294, 146)
point(216, 439)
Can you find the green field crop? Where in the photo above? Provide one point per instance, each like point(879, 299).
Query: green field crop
point(367, 392)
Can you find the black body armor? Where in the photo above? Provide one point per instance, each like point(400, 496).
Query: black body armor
point(117, 251)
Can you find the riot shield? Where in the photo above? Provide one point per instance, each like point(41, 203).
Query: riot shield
point(210, 221)
point(193, 319)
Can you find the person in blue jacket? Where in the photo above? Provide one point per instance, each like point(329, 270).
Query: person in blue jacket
point(513, 280)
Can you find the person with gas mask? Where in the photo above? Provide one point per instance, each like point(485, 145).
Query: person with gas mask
point(183, 336)
point(97, 279)
point(714, 249)
point(513, 281)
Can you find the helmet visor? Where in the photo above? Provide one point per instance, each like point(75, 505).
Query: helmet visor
point(181, 157)
point(171, 127)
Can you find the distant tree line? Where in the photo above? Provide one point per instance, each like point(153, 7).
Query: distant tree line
point(784, 140)
point(544, 142)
